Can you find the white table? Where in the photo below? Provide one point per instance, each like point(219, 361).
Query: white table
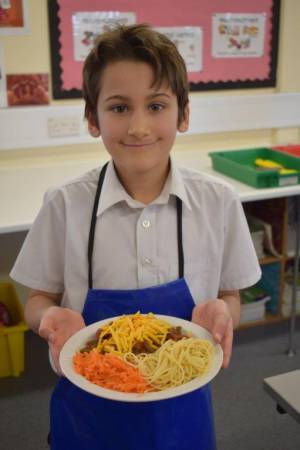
point(22, 186)
point(285, 390)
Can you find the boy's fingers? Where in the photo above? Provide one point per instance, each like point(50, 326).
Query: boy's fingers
point(219, 327)
point(55, 358)
point(45, 332)
point(227, 345)
point(51, 338)
point(197, 316)
point(223, 334)
point(46, 327)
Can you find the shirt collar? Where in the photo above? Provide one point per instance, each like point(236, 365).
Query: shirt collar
point(113, 192)
point(174, 185)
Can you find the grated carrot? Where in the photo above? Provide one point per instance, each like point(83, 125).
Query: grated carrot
point(109, 371)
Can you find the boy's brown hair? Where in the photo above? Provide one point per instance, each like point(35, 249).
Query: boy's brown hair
point(135, 43)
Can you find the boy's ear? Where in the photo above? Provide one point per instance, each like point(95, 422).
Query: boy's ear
point(184, 125)
point(93, 127)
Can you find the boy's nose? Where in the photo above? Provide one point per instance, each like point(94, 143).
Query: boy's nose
point(139, 125)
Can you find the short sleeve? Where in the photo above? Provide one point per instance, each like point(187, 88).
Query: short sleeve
point(40, 263)
point(240, 266)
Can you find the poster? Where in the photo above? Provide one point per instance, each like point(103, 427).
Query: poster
point(188, 41)
point(88, 25)
point(3, 96)
point(13, 17)
point(27, 89)
point(238, 35)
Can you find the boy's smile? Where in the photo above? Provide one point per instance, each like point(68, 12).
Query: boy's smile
point(138, 121)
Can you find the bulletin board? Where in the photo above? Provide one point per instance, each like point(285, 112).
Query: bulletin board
point(227, 44)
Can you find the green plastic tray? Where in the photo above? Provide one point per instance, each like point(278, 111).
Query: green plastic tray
point(240, 165)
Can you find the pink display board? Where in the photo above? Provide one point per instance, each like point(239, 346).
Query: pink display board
point(227, 59)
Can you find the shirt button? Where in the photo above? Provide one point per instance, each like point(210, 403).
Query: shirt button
point(146, 223)
point(148, 262)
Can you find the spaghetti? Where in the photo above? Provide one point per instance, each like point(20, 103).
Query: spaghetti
point(174, 363)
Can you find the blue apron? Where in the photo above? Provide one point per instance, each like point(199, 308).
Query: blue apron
point(82, 421)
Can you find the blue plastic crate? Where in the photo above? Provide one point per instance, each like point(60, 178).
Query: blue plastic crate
point(270, 282)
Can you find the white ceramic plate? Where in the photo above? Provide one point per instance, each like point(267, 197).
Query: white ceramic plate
point(78, 341)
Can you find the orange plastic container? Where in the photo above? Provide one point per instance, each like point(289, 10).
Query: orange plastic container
point(12, 337)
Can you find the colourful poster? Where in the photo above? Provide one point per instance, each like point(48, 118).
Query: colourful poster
point(13, 17)
point(3, 94)
point(88, 25)
point(188, 40)
point(27, 89)
point(238, 35)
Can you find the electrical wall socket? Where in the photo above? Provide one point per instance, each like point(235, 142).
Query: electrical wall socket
point(63, 126)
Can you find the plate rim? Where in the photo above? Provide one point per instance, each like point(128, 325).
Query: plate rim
point(68, 350)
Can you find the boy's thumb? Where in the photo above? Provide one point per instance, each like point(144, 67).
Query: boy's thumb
point(46, 333)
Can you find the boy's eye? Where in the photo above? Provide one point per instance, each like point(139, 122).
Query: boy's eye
point(119, 108)
point(156, 107)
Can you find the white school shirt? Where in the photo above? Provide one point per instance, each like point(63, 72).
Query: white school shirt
point(135, 244)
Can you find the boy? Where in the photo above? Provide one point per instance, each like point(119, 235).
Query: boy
point(137, 234)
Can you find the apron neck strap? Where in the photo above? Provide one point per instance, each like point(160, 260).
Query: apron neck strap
point(93, 227)
point(179, 238)
point(93, 224)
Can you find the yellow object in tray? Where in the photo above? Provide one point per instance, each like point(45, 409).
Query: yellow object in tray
point(269, 164)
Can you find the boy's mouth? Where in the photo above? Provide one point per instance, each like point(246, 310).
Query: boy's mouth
point(138, 144)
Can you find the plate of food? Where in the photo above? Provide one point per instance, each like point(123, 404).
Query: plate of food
point(141, 358)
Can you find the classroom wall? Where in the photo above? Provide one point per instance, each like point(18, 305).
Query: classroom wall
point(30, 53)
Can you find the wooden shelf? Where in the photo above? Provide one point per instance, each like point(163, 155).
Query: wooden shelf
point(289, 257)
point(270, 259)
point(275, 213)
point(269, 319)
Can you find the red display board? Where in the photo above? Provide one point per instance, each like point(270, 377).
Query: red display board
point(226, 43)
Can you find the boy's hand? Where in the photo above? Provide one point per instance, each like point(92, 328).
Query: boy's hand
point(214, 316)
point(56, 326)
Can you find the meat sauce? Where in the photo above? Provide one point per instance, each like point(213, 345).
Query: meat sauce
point(175, 334)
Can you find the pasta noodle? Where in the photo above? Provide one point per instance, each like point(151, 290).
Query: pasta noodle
point(121, 335)
point(174, 363)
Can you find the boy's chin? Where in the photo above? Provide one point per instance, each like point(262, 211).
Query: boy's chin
point(140, 161)
point(146, 165)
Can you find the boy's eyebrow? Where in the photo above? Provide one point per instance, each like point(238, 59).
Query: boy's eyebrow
point(124, 97)
point(116, 97)
point(159, 94)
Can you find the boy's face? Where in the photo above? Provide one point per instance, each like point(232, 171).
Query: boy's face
point(137, 121)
